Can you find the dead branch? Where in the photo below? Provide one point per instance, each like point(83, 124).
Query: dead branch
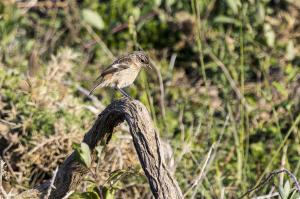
point(269, 177)
point(146, 142)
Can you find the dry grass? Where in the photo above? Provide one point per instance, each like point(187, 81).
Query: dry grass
point(50, 57)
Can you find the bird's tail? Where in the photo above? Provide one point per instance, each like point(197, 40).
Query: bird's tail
point(97, 82)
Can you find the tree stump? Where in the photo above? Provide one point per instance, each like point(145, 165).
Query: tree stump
point(146, 142)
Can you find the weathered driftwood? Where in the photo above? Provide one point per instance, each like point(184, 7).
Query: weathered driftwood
point(146, 142)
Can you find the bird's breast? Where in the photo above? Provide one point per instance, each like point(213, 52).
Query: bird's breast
point(126, 77)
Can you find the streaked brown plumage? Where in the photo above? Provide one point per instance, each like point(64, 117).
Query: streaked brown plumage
point(122, 72)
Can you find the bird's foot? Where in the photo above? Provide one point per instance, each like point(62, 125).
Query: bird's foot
point(124, 93)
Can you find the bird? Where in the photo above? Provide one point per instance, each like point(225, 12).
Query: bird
point(122, 72)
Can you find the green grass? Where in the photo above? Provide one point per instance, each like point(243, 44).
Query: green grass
point(234, 85)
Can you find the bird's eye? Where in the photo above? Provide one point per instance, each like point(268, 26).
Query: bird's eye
point(143, 60)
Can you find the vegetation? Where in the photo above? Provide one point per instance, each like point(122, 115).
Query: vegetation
point(224, 93)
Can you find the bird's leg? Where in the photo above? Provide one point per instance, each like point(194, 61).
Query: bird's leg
point(123, 92)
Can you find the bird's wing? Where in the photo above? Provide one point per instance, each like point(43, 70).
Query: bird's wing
point(109, 70)
point(125, 59)
point(97, 82)
point(114, 68)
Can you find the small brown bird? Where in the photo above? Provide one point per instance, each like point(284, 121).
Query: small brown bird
point(122, 72)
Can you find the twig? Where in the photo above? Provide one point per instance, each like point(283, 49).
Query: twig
point(99, 41)
point(227, 75)
point(68, 194)
point(8, 122)
point(9, 167)
point(291, 129)
point(267, 196)
point(172, 61)
point(42, 4)
point(86, 93)
point(209, 9)
point(294, 179)
point(2, 191)
point(161, 88)
point(199, 178)
point(52, 183)
point(48, 141)
point(268, 178)
point(222, 133)
point(211, 155)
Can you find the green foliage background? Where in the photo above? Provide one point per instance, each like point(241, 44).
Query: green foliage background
point(230, 78)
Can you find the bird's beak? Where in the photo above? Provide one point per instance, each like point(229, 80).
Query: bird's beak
point(147, 66)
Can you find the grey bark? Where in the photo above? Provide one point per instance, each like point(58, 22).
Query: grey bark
point(146, 141)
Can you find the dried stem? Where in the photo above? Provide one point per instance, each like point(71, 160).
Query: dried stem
point(52, 183)
point(2, 191)
point(269, 177)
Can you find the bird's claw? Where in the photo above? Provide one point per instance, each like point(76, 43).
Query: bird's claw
point(124, 93)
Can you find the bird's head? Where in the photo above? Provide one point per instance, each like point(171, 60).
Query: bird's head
point(141, 59)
